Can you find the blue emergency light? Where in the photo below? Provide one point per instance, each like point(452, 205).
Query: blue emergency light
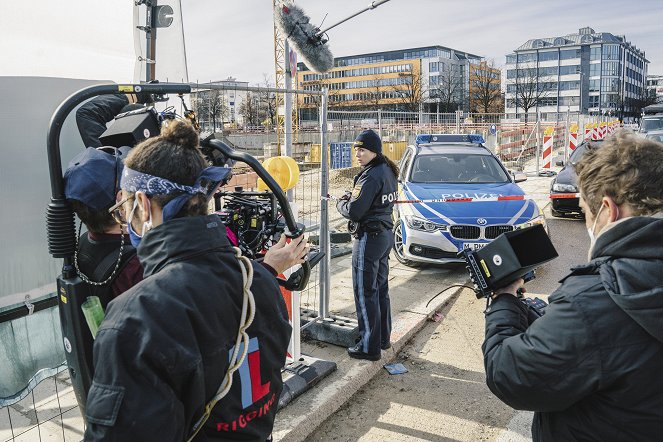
point(449, 138)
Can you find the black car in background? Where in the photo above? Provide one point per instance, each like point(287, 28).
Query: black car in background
point(566, 182)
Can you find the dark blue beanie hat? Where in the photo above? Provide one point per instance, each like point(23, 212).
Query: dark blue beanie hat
point(369, 140)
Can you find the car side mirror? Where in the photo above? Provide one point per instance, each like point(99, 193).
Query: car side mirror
point(559, 163)
point(519, 177)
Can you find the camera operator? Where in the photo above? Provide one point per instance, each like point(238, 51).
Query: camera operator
point(369, 209)
point(163, 350)
point(104, 257)
point(92, 117)
point(591, 366)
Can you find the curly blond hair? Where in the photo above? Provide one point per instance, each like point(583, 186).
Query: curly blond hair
point(627, 168)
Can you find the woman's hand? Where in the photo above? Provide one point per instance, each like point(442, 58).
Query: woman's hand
point(281, 256)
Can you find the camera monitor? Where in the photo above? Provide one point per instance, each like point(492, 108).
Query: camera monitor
point(510, 256)
point(132, 127)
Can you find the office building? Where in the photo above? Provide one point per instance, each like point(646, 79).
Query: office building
point(655, 87)
point(428, 79)
point(589, 72)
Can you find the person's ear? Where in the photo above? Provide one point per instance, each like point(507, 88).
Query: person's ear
point(611, 208)
point(143, 206)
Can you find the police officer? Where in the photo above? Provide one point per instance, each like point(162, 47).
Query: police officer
point(369, 209)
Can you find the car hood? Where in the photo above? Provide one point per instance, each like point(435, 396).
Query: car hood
point(493, 212)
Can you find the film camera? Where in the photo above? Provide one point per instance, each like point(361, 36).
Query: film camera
point(510, 256)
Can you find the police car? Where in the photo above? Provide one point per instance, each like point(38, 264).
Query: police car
point(454, 194)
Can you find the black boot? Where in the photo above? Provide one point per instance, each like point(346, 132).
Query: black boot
point(385, 346)
point(356, 353)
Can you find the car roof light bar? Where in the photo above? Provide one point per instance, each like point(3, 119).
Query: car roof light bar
point(449, 138)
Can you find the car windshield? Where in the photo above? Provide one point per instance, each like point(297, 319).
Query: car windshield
point(651, 124)
point(577, 154)
point(457, 168)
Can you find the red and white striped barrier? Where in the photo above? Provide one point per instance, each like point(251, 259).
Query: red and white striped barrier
point(573, 137)
point(555, 196)
point(548, 146)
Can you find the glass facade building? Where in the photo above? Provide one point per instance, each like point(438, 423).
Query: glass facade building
point(589, 72)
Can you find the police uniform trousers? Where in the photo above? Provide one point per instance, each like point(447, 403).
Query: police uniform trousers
point(370, 275)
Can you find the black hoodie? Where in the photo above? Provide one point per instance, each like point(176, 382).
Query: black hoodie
point(164, 346)
point(592, 366)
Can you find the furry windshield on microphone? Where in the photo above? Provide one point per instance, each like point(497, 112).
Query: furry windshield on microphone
point(296, 27)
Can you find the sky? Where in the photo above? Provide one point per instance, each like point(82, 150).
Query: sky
point(235, 37)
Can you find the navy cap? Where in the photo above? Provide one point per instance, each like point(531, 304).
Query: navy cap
point(93, 175)
point(368, 139)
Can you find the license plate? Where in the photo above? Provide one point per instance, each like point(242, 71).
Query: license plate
point(474, 245)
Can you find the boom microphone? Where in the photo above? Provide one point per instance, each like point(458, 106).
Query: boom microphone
point(312, 47)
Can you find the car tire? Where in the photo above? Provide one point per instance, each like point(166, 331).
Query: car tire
point(398, 246)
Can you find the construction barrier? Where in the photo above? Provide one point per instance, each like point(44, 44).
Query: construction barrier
point(573, 137)
point(595, 131)
point(548, 146)
point(588, 132)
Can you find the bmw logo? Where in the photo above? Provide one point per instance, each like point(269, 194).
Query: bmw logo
point(482, 221)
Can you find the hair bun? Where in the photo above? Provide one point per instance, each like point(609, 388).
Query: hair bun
point(180, 132)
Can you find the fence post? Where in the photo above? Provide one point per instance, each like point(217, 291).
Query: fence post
point(457, 121)
point(537, 128)
point(380, 123)
point(325, 279)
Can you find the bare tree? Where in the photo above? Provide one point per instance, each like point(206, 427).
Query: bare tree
point(268, 101)
point(411, 91)
point(531, 88)
point(211, 107)
point(485, 94)
point(449, 89)
point(249, 110)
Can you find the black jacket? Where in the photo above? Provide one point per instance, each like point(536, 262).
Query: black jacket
point(164, 346)
point(92, 116)
point(373, 195)
point(592, 366)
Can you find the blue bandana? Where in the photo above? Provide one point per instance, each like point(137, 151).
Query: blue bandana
point(206, 184)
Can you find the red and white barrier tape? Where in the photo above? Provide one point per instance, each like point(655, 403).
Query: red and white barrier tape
point(484, 199)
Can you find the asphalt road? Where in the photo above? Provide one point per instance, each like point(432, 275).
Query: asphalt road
point(443, 396)
point(569, 236)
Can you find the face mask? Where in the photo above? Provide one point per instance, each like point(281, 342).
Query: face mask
point(592, 237)
point(147, 226)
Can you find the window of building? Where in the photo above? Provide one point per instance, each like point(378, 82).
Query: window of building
point(567, 54)
point(538, 44)
point(569, 101)
point(547, 72)
point(548, 55)
point(595, 53)
point(611, 52)
point(609, 85)
point(526, 57)
point(594, 85)
point(559, 41)
point(569, 70)
point(594, 70)
point(593, 101)
point(511, 58)
point(511, 73)
point(434, 66)
point(569, 85)
point(610, 68)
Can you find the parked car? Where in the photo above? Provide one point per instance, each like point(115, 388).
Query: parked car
point(566, 183)
point(656, 135)
point(454, 193)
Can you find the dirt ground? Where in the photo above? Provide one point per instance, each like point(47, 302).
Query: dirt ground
point(443, 397)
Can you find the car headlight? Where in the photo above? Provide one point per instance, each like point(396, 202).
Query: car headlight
point(564, 188)
point(417, 223)
point(532, 222)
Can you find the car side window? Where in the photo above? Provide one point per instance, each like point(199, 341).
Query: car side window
point(405, 163)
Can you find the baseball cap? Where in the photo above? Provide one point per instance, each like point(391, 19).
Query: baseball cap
point(93, 175)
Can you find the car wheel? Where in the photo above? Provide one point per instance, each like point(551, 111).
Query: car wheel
point(398, 246)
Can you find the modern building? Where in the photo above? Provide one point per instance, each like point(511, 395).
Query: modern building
point(414, 79)
point(219, 108)
point(655, 86)
point(589, 72)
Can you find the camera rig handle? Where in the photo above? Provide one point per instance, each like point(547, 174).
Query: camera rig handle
point(295, 229)
point(299, 279)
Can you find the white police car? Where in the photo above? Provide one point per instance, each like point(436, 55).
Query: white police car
point(454, 194)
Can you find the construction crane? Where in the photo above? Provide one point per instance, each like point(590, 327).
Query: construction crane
point(281, 51)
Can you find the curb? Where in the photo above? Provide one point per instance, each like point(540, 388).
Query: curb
point(294, 424)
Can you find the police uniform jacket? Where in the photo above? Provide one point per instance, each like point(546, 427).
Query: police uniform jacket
point(373, 195)
point(164, 346)
point(591, 366)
